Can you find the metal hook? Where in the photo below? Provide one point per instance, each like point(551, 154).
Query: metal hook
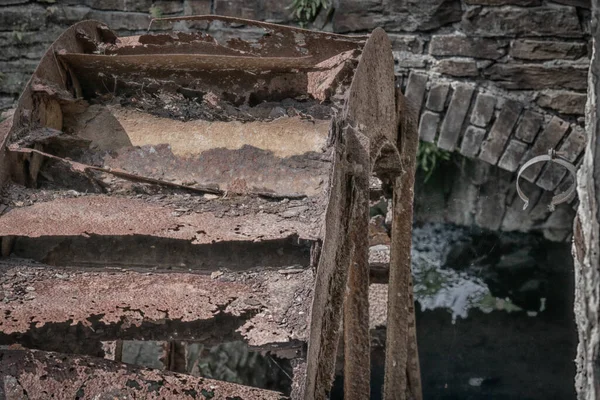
point(557, 158)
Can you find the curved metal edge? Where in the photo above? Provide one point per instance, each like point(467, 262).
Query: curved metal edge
point(559, 198)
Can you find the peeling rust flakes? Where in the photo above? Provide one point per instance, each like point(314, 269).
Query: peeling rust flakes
point(261, 300)
point(39, 374)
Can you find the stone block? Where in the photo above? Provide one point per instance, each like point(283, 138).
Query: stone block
point(26, 38)
point(483, 110)
point(68, 15)
point(361, 15)
point(562, 101)
point(459, 67)
point(575, 3)
point(32, 52)
point(517, 219)
point(428, 126)
point(515, 21)
point(436, 100)
point(471, 143)
point(455, 45)
point(357, 15)
point(119, 5)
point(491, 202)
point(522, 3)
point(6, 102)
point(421, 15)
point(411, 43)
point(491, 148)
point(415, 89)
point(461, 202)
point(19, 18)
point(538, 77)
point(551, 176)
point(15, 75)
point(559, 225)
point(455, 116)
point(234, 8)
point(196, 7)
point(548, 139)
point(539, 212)
point(167, 7)
point(526, 49)
point(511, 159)
point(574, 145)
point(529, 126)
point(271, 10)
point(276, 11)
point(14, 82)
point(122, 21)
point(408, 60)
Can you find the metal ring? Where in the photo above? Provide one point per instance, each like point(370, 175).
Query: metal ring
point(552, 156)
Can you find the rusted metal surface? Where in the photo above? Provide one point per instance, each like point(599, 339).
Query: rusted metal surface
point(103, 215)
point(179, 62)
point(55, 309)
point(33, 375)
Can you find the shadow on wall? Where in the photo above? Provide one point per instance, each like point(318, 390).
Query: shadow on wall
point(470, 192)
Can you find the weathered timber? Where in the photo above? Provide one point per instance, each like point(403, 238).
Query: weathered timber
point(332, 271)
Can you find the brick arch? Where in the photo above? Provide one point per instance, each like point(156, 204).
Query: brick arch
point(492, 126)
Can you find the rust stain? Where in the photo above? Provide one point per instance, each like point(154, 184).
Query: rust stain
point(103, 215)
point(40, 373)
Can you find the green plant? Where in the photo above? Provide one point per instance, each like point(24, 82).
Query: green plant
point(306, 10)
point(156, 12)
point(429, 157)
